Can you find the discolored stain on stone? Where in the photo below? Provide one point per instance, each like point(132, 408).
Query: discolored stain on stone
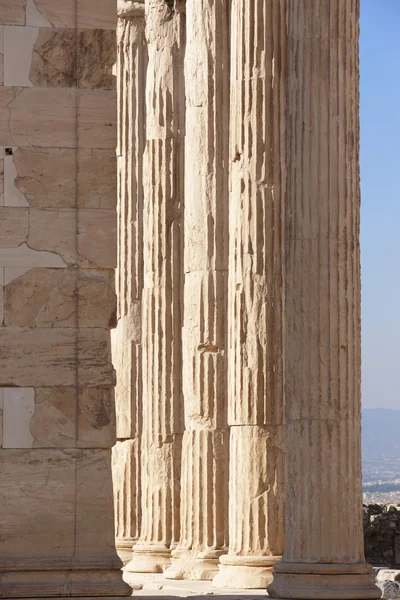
point(96, 57)
point(54, 58)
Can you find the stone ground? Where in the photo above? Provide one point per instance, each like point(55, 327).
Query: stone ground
point(156, 585)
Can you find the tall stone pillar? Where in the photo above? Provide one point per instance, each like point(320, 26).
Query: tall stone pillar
point(126, 340)
point(324, 555)
point(163, 284)
point(205, 442)
point(256, 490)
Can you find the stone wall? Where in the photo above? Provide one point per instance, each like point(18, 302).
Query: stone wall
point(57, 299)
point(382, 534)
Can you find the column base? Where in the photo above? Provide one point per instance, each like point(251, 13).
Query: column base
point(245, 572)
point(124, 548)
point(64, 580)
point(194, 566)
point(300, 581)
point(149, 558)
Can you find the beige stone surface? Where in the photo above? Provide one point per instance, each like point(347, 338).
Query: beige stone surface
point(97, 14)
point(162, 294)
point(42, 298)
point(97, 119)
point(18, 48)
point(94, 497)
point(255, 357)
point(204, 516)
point(37, 117)
point(58, 14)
point(97, 238)
point(1, 416)
point(96, 298)
point(46, 176)
point(44, 357)
point(94, 358)
point(44, 521)
point(18, 409)
point(1, 176)
point(126, 486)
point(53, 61)
point(96, 418)
point(96, 57)
point(12, 12)
point(54, 231)
point(324, 550)
point(14, 226)
point(97, 178)
point(53, 423)
point(13, 196)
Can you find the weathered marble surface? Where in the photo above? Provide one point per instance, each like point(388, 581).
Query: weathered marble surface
point(57, 298)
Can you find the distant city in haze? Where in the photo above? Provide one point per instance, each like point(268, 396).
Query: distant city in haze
point(380, 216)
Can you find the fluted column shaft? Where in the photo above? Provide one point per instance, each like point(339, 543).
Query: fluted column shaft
point(205, 443)
point(161, 301)
point(324, 555)
point(256, 491)
point(126, 338)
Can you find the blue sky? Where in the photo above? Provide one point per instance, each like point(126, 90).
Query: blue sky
point(380, 217)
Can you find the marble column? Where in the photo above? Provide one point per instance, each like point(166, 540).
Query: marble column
point(126, 338)
point(256, 487)
point(324, 555)
point(163, 285)
point(204, 484)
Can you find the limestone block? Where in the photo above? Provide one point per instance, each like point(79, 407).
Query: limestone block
point(97, 119)
point(53, 231)
point(95, 531)
point(94, 358)
point(2, 295)
point(96, 298)
point(48, 357)
point(41, 298)
point(37, 488)
point(97, 14)
point(14, 227)
point(58, 417)
point(96, 418)
point(1, 55)
point(38, 117)
point(97, 178)
point(18, 409)
point(57, 14)
point(1, 416)
point(96, 56)
point(19, 260)
point(54, 58)
point(45, 176)
point(53, 423)
point(35, 357)
point(97, 238)
point(1, 175)
point(12, 12)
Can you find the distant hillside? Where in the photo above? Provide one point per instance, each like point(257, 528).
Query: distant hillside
point(381, 432)
point(381, 455)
